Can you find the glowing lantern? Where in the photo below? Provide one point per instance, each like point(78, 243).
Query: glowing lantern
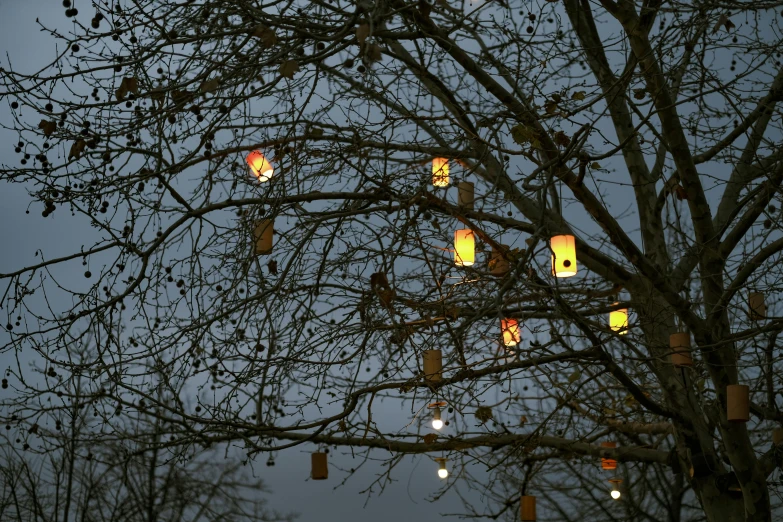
point(440, 172)
point(616, 488)
point(758, 308)
point(263, 236)
point(511, 333)
point(563, 255)
point(433, 364)
point(260, 166)
point(737, 403)
point(465, 195)
point(319, 469)
point(680, 344)
point(606, 463)
point(437, 420)
point(442, 471)
point(618, 321)
point(464, 247)
point(527, 509)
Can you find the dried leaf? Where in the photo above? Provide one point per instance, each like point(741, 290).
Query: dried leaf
point(724, 21)
point(574, 377)
point(288, 68)
point(157, 94)
point(209, 85)
point(639, 94)
point(484, 414)
point(48, 127)
point(266, 35)
point(522, 420)
point(77, 149)
point(562, 139)
point(362, 32)
point(430, 438)
point(272, 266)
point(550, 107)
point(523, 134)
point(127, 85)
point(578, 95)
point(316, 132)
point(374, 53)
point(679, 191)
point(595, 165)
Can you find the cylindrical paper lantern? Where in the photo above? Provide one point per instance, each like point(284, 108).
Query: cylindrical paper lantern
point(618, 321)
point(512, 335)
point(608, 463)
point(433, 364)
point(319, 468)
point(259, 166)
point(680, 344)
point(498, 264)
point(758, 308)
point(464, 247)
point(262, 236)
point(440, 172)
point(465, 195)
point(527, 508)
point(777, 436)
point(737, 403)
point(563, 255)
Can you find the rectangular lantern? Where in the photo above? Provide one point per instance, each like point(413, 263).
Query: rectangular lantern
point(618, 321)
point(527, 508)
point(259, 166)
point(680, 345)
point(498, 264)
point(737, 403)
point(758, 308)
point(563, 255)
point(512, 335)
point(440, 172)
point(263, 236)
point(465, 195)
point(464, 247)
point(433, 364)
point(608, 464)
point(319, 469)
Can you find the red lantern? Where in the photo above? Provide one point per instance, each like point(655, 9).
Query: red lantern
point(260, 166)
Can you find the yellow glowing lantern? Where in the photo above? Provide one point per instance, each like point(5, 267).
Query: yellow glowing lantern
point(464, 247)
point(563, 255)
point(512, 335)
point(618, 321)
point(260, 166)
point(440, 172)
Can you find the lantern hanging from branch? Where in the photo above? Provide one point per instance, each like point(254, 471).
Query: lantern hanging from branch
point(616, 488)
point(319, 469)
point(563, 255)
point(263, 236)
point(777, 436)
point(442, 471)
point(433, 364)
point(680, 345)
point(259, 166)
point(607, 463)
point(737, 403)
point(464, 247)
point(440, 172)
point(618, 320)
point(527, 508)
point(465, 195)
point(757, 307)
point(437, 420)
point(498, 263)
point(512, 335)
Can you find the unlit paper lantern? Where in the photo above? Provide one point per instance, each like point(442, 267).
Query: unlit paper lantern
point(465, 195)
point(319, 468)
point(440, 172)
point(563, 255)
point(606, 463)
point(758, 308)
point(680, 345)
point(777, 436)
point(498, 264)
point(737, 403)
point(259, 166)
point(263, 236)
point(527, 508)
point(512, 335)
point(433, 364)
point(464, 247)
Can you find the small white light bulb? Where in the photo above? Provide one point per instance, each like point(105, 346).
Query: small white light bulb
point(443, 473)
point(437, 423)
point(616, 494)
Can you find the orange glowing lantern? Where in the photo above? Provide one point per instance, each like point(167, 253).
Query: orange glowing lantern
point(464, 247)
point(563, 255)
point(512, 335)
point(608, 463)
point(440, 172)
point(260, 166)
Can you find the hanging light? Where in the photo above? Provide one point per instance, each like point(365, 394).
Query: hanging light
point(616, 488)
point(607, 463)
point(440, 172)
point(433, 364)
point(527, 508)
point(618, 320)
point(319, 470)
point(563, 255)
point(737, 403)
point(260, 166)
point(263, 236)
point(512, 336)
point(442, 471)
point(437, 421)
point(758, 308)
point(680, 345)
point(464, 247)
point(465, 195)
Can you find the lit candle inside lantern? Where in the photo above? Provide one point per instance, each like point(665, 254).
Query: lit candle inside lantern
point(618, 321)
point(259, 166)
point(464, 247)
point(440, 172)
point(563, 255)
point(511, 333)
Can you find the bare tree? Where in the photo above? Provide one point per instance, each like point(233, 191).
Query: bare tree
point(649, 131)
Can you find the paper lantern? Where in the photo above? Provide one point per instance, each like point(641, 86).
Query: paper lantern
point(563, 255)
point(618, 321)
point(498, 264)
point(319, 469)
point(440, 172)
point(511, 332)
point(777, 436)
point(737, 403)
point(433, 364)
point(527, 508)
point(465, 195)
point(260, 166)
point(758, 308)
point(464, 247)
point(263, 236)
point(680, 345)
point(609, 464)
